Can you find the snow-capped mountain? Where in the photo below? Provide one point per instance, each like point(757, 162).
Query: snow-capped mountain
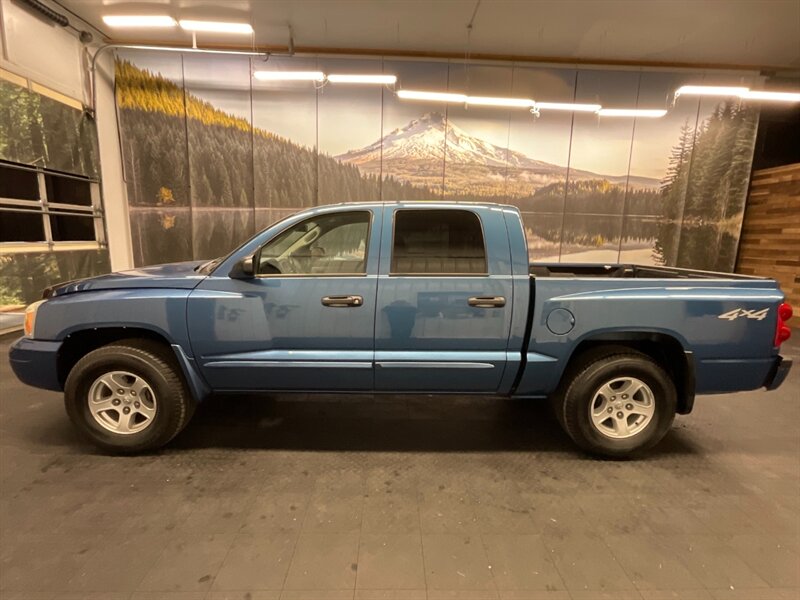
point(414, 153)
point(424, 138)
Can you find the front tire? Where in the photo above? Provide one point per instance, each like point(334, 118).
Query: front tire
point(128, 397)
point(618, 405)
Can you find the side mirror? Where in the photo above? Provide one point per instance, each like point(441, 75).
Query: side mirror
point(244, 269)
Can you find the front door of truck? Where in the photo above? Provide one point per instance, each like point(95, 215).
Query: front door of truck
point(444, 300)
point(305, 321)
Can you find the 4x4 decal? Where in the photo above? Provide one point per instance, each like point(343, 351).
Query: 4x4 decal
point(758, 315)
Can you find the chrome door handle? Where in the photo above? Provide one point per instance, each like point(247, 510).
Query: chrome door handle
point(487, 301)
point(342, 301)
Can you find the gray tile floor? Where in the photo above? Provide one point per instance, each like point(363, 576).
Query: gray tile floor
point(403, 499)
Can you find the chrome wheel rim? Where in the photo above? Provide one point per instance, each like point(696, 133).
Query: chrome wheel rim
point(122, 402)
point(622, 407)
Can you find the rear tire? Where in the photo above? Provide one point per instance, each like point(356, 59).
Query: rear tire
point(128, 397)
point(617, 405)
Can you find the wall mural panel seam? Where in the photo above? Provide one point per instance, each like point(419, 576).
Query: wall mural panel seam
point(628, 174)
point(190, 189)
point(252, 144)
point(566, 175)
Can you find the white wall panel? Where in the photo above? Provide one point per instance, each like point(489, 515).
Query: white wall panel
point(39, 50)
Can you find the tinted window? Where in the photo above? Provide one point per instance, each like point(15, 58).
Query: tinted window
point(21, 227)
point(67, 190)
point(438, 242)
point(68, 228)
point(333, 244)
point(18, 184)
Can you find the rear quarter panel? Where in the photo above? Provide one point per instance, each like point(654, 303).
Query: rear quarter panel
point(730, 353)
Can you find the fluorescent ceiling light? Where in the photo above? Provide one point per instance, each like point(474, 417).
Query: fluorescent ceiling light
point(772, 96)
point(568, 106)
point(710, 90)
point(188, 49)
point(512, 102)
point(380, 79)
point(741, 92)
point(464, 99)
point(631, 112)
point(216, 26)
point(139, 21)
point(289, 75)
point(432, 96)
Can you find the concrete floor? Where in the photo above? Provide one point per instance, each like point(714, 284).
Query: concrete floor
point(400, 499)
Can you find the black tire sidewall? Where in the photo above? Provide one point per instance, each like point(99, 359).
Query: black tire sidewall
point(580, 395)
point(169, 412)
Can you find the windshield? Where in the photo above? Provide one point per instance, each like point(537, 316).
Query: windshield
point(208, 267)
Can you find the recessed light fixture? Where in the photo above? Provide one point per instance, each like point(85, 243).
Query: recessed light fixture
point(632, 112)
point(509, 102)
point(289, 75)
point(772, 96)
point(139, 21)
point(215, 26)
point(568, 106)
point(710, 90)
point(432, 96)
point(377, 79)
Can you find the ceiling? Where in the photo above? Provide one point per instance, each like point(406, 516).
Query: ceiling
point(763, 33)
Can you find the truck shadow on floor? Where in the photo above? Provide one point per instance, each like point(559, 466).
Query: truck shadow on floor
point(380, 424)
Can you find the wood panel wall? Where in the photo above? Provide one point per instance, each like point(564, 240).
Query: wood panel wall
point(770, 241)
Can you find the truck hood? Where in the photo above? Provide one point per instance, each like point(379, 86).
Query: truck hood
point(180, 275)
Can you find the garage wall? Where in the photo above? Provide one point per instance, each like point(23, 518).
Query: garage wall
point(51, 214)
point(212, 154)
point(46, 130)
point(770, 244)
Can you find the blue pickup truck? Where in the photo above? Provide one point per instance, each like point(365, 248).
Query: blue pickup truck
point(402, 297)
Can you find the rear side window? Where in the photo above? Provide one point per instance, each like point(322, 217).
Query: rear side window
point(438, 242)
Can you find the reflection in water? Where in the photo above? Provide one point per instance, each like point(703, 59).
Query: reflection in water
point(709, 246)
point(704, 246)
point(591, 237)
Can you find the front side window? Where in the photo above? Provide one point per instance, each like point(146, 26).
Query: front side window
point(332, 244)
point(438, 242)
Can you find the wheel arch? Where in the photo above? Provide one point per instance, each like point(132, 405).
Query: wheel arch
point(80, 342)
point(661, 347)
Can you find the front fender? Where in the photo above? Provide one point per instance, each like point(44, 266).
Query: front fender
point(162, 311)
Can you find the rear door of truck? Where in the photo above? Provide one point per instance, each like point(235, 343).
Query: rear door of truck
point(443, 311)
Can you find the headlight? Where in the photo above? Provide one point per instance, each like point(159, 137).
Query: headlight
point(30, 317)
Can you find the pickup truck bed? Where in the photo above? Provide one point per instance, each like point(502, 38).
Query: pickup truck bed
point(716, 344)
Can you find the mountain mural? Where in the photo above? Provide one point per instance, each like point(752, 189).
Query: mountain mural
point(200, 179)
point(415, 152)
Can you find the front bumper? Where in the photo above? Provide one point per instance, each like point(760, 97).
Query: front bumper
point(778, 373)
point(35, 362)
